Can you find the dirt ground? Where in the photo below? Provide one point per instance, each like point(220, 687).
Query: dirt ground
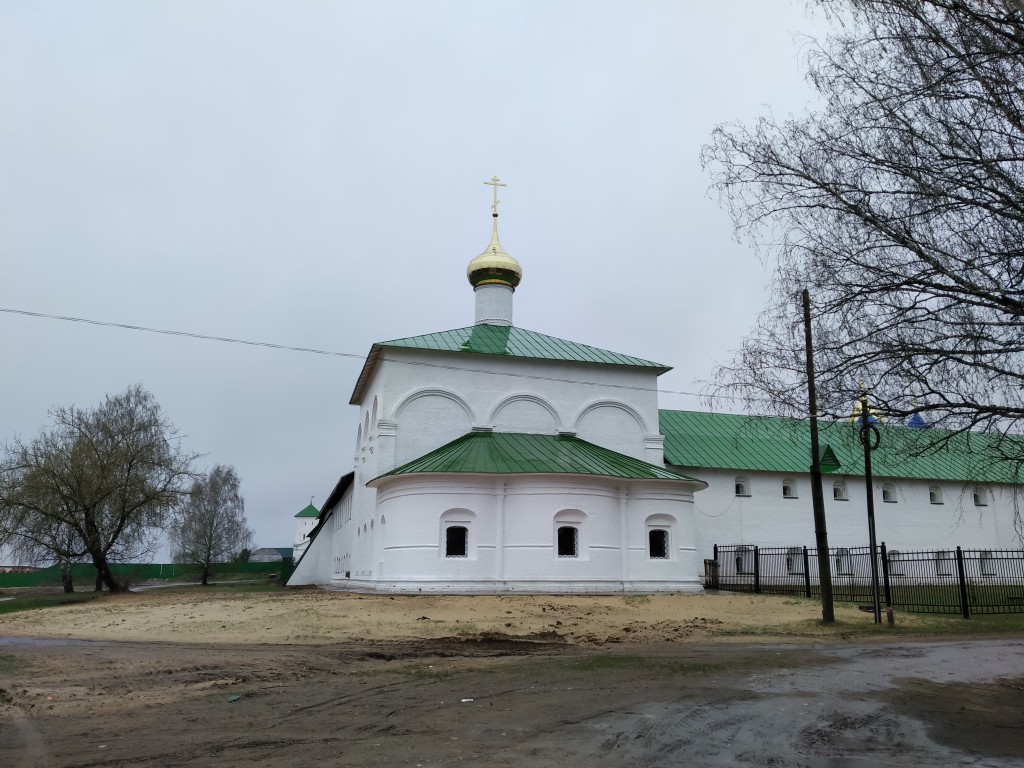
point(318, 616)
point(311, 677)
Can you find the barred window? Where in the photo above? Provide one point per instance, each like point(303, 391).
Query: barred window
point(657, 544)
point(456, 541)
point(568, 541)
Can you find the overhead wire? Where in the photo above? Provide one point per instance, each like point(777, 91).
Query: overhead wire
point(353, 355)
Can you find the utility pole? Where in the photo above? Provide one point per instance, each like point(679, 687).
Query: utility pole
point(817, 497)
point(870, 438)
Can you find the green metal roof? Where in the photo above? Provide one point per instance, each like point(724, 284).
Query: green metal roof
point(502, 340)
point(500, 453)
point(766, 444)
point(309, 511)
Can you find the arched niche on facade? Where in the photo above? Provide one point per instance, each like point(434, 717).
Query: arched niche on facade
point(612, 425)
point(525, 413)
point(457, 534)
point(569, 534)
point(659, 534)
point(427, 419)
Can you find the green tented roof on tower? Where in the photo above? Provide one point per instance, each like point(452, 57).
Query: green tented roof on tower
point(502, 453)
point(309, 511)
point(696, 440)
point(505, 341)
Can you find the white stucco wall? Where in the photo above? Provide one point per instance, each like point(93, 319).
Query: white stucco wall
point(512, 542)
point(315, 563)
point(494, 304)
point(303, 525)
point(425, 400)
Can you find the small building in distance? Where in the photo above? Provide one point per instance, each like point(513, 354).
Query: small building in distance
point(305, 521)
point(272, 555)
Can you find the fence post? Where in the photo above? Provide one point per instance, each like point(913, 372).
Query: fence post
point(757, 571)
point(716, 553)
point(964, 607)
point(807, 573)
point(885, 576)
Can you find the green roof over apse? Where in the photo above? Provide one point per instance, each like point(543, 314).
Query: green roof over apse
point(504, 453)
point(697, 440)
point(309, 511)
point(505, 341)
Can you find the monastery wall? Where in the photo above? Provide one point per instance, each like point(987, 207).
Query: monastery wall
point(767, 518)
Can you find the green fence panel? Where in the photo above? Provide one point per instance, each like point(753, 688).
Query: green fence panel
point(84, 574)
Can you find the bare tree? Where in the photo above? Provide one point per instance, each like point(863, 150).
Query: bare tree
point(210, 527)
point(51, 542)
point(900, 205)
point(99, 484)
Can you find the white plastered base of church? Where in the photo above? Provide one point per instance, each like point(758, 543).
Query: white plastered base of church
point(511, 536)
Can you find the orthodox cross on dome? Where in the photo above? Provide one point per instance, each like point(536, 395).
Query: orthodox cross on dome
point(495, 182)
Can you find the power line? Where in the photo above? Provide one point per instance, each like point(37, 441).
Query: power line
point(186, 334)
point(330, 353)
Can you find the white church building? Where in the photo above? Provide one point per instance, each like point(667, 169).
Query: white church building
point(496, 459)
point(492, 459)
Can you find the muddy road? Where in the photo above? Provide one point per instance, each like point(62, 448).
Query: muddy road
point(510, 702)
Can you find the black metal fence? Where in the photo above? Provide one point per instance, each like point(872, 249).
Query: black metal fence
point(964, 581)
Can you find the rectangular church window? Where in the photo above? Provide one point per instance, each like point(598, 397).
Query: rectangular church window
point(456, 541)
point(657, 539)
point(568, 541)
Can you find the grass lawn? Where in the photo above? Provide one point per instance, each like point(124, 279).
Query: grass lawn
point(33, 599)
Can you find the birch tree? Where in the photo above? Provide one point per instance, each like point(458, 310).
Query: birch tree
point(210, 527)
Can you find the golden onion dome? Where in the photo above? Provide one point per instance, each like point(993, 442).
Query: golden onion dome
point(494, 265)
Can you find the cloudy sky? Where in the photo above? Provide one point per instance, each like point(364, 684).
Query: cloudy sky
point(310, 173)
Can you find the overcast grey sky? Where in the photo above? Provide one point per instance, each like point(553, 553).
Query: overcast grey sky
point(311, 174)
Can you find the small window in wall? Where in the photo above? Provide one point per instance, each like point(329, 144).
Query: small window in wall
point(987, 563)
point(742, 486)
point(844, 566)
point(789, 488)
point(744, 560)
point(935, 494)
point(795, 561)
point(839, 491)
point(896, 567)
point(888, 493)
point(980, 497)
point(657, 543)
point(943, 566)
point(568, 541)
point(456, 541)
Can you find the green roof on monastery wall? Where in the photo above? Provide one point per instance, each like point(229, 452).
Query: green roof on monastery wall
point(309, 511)
point(697, 440)
point(505, 341)
point(500, 453)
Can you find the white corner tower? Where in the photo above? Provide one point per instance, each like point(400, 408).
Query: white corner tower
point(494, 275)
